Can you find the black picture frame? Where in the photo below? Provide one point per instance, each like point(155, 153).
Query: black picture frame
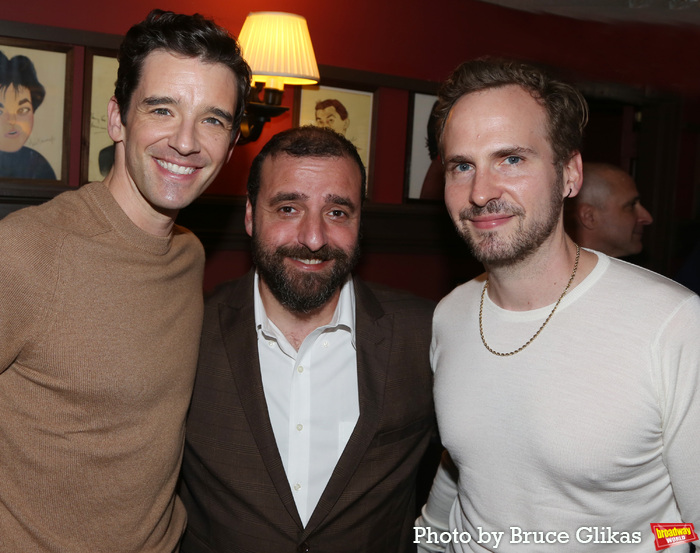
point(97, 148)
point(43, 151)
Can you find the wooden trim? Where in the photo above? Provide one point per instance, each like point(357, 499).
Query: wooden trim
point(58, 34)
point(375, 80)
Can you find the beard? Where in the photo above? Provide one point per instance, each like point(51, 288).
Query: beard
point(496, 250)
point(296, 290)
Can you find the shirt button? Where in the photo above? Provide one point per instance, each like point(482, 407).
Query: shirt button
point(271, 343)
point(325, 343)
point(297, 487)
point(300, 427)
point(300, 369)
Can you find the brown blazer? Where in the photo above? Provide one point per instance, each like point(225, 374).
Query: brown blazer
point(234, 485)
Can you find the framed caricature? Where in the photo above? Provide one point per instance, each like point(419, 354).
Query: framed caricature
point(423, 168)
point(347, 111)
point(97, 154)
point(35, 99)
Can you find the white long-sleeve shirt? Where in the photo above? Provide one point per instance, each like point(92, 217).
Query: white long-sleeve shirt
point(591, 430)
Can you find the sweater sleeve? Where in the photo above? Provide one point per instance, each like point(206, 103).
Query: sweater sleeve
point(28, 276)
point(678, 350)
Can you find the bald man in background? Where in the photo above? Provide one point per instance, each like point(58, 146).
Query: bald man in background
point(607, 215)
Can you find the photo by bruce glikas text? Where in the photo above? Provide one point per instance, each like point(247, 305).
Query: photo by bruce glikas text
point(593, 535)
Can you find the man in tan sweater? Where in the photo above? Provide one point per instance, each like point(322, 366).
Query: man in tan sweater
point(101, 308)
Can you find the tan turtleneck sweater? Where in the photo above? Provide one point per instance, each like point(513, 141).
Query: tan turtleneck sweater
point(99, 332)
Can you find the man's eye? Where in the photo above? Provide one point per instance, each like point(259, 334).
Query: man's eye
point(337, 213)
point(513, 160)
point(213, 121)
point(287, 209)
point(161, 111)
point(462, 167)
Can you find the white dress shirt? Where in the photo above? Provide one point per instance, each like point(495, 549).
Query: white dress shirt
point(311, 395)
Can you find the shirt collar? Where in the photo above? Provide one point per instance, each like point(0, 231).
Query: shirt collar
point(343, 317)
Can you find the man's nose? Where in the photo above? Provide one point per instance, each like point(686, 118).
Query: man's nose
point(312, 232)
point(486, 186)
point(185, 138)
point(643, 216)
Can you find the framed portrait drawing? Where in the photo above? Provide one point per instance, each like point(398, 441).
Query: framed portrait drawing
point(347, 111)
point(35, 100)
point(97, 156)
point(423, 167)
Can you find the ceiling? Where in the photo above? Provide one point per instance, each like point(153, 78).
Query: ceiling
point(666, 12)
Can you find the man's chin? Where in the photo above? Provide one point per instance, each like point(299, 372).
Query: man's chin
point(305, 297)
point(12, 147)
point(306, 282)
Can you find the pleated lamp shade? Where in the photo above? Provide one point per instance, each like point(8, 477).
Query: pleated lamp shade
point(277, 46)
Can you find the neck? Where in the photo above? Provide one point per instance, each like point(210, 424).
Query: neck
point(132, 202)
point(294, 325)
point(539, 280)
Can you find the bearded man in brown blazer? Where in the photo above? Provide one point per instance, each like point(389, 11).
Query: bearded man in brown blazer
point(313, 404)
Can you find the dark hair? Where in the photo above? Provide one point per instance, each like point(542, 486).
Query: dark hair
point(333, 103)
point(187, 35)
point(19, 72)
point(567, 111)
point(307, 141)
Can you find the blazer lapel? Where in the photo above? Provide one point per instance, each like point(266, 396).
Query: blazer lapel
point(373, 335)
point(237, 320)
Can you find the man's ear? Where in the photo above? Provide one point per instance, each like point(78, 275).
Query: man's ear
point(573, 175)
point(249, 217)
point(115, 127)
point(587, 216)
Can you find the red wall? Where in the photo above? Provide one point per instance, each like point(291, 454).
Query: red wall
point(412, 40)
point(409, 39)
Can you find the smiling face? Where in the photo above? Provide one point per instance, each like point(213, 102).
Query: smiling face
point(502, 187)
point(16, 118)
point(177, 134)
point(305, 228)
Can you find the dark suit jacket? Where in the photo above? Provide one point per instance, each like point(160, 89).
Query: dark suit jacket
point(234, 485)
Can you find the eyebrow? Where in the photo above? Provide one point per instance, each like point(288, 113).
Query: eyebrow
point(340, 200)
point(329, 198)
point(169, 100)
point(157, 100)
point(456, 160)
point(227, 116)
point(21, 102)
point(287, 197)
point(512, 151)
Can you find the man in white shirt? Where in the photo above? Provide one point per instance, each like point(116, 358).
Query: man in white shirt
point(566, 382)
point(312, 406)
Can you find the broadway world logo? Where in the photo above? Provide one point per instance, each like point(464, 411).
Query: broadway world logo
point(668, 535)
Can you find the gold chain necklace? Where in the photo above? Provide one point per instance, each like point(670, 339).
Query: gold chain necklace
point(536, 334)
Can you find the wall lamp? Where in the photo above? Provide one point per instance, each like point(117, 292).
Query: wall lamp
point(277, 46)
